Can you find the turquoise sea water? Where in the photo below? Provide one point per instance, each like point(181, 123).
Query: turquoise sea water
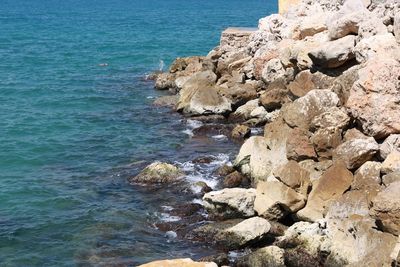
point(76, 120)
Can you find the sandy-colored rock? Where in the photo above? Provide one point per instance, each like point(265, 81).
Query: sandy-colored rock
point(391, 163)
point(167, 101)
point(316, 169)
point(332, 184)
point(391, 178)
point(367, 179)
point(325, 140)
point(271, 256)
point(298, 145)
point(302, 111)
point(346, 24)
point(356, 152)
point(294, 176)
point(334, 117)
point(374, 98)
point(386, 208)
point(274, 200)
point(179, 263)
point(396, 26)
point(302, 84)
point(333, 54)
point(274, 99)
point(158, 172)
point(391, 143)
point(246, 232)
point(353, 133)
point(348, 205)
point(244, 112)
point(230, 202)
point(377, 45)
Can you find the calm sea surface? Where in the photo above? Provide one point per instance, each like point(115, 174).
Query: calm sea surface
point(76, 120)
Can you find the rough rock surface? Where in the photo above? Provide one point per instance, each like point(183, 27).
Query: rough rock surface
point(231, 202)
point(158, 172)
point(390, 144)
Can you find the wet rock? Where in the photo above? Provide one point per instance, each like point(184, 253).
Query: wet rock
point(243, 112)
point(333, 54)
point(203, 187)
point(373, 99)
point(274, 200)
point(230, 202)
point(241, 132)
point(220, 259)
point(204, 160)
point(271, 256)
point(294, 176)
point(390, 144)
point(158, 172)
point(212, 129)
point(236, 179)
point(302, 111)
point(224, 170)
point(179, 263)
point(185, 210)
point(166, 101)
point(212, 232)
point(386, 208)
point(356, 152)
point(391, 163)
point(332, 184)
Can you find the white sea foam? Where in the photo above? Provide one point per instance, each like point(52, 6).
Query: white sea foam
point(256, 130)
point(171, 235)
point(165, 217)
point(220, 137)
point(191, 125)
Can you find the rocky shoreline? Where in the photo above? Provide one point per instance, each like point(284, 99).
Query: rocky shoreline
point(319, 186)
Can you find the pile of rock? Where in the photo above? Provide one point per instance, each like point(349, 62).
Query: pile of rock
point(324, 79)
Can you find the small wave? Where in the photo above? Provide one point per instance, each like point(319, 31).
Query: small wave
point(165, 217)
point(192, 124)
point(171, 235)
point(220, 137)
point(257, 130)
point(150, 97)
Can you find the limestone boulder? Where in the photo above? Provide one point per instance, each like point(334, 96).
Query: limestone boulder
point(302, 84)
point(199, 96)
point(179, 263)
point(346, 24)
point(391, 163)
point(377, 45)
point(333, 54)
point(325, 140)
point(166, 101)
point(356, 152)
point(391, 143)
point(302, 111)
point(350, 204)
point(315, 168)
point(249, 231)
point(334, 117)
point(274, 200)
point(391, 178)
point(386, 208)
point(271, 256)
point(241, 132)
point(294, 176)
point(274, 71)
point(396, 26)
point(235, 179)
point(374, 98)
point(158, 173)
point(237, 93)
point(299, 146)
point(230, 202)
point(244, 112)
point(353, 133)
point(332, 184)
point(274, 99)
point(367, 178)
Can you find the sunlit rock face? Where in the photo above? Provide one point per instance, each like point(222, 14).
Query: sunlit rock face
point(285, 4)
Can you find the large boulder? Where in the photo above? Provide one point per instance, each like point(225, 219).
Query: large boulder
point(391, 163)
point(346, 24)
point(298, 145)
point(249, 231)
point(158, 172)
point(332, 184)
point(294, 176)
point(334, 117)
point(374, 98)
point(376, 45)
point(199, 95)
point(178, 263)
point(367, 179)
point(333, 54)
point(386, 208)
point(302, 111)
point(356, 152)
point(230, 202)
point(392, 143)
point(244, 112)
point(271, 256)
point(274, 200)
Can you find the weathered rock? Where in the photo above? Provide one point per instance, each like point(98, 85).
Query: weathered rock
point(238, 94)
point(271, 256)
point(236, 179)
point(241, 132)
point(352, 203)
point(356, 152)
point(310, 26)
point(230, 202)
point(391, 163)
point(396, 27)
point(302, 84)
point(374, 98)
point(368, 178)
point(244, 112)
point(200, 96)
point(224, 170)
point(249, 231)
point(158, 172)
point(347, 24)
point(332, 118)
point(274, 99)
point(294, 176)
point(386, 208)
point(353, 133)
point(333, 54)
point(332, 184)
point(221, 259)
point(302, 111)
point(179, 263)
point(165, 81)
point(298, 146)
point(391, 178)
point(274, 200)
point(390, 144)
point(325, 140)
point(316, 169)
point(168, 101)
point(384, 44)
point(274, 71)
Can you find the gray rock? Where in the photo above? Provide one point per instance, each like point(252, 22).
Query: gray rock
point(158, 172)
point(391, 143)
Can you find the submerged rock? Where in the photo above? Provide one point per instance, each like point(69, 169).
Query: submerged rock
point(158, 172)
point(179, 263)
